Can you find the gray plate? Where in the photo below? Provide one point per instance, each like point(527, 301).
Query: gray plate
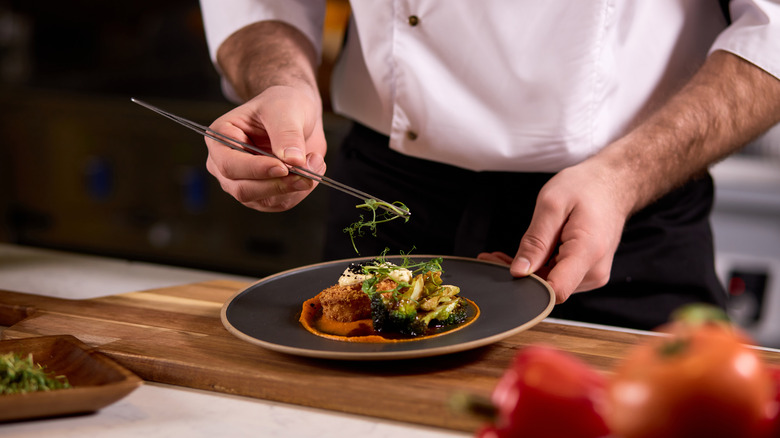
point(266, 313)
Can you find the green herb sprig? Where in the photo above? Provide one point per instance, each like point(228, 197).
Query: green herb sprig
point(387, 212)
point(20, 375)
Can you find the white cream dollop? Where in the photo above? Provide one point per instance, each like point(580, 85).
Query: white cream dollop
point(350, 277)
point(401, 275)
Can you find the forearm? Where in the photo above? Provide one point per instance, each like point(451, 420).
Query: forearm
point(266, 54)
point(725, 105)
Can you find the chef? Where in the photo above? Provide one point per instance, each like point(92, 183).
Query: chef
point(567, 138)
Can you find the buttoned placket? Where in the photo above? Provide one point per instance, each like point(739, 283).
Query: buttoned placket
point(413, 21)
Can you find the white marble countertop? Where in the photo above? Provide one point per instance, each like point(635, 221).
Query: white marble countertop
point(154, 410)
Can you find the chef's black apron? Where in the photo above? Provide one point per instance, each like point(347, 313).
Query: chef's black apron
point(665, 258)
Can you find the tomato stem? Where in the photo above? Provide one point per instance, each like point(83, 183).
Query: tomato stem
point(695, 315)
point(674, 347)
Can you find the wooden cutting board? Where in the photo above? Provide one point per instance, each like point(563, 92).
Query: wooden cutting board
point(174, 335)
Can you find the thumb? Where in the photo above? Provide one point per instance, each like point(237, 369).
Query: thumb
point(536, 246)
point(287, 142)
point(285, 129)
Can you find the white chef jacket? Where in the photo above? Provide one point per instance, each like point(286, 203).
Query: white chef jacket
point(512, 85)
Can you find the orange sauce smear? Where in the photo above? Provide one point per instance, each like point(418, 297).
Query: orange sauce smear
point(361, 330)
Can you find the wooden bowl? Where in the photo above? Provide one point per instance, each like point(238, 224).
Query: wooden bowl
point(96, 380)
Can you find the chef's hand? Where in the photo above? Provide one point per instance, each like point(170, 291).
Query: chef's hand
point(580, 213)
point(574, 232)
point(284, 121)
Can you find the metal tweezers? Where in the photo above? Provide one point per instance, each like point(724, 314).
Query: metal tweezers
point(254, 150)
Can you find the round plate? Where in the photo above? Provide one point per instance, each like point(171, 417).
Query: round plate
point(267, 312)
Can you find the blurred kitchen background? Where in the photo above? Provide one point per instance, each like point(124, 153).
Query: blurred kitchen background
point(83, 169)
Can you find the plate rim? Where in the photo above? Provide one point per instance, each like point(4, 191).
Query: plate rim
point(384, 355)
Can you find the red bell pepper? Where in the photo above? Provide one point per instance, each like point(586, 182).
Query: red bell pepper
point(547, 393)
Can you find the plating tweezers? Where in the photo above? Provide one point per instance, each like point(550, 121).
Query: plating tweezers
point(254, 150)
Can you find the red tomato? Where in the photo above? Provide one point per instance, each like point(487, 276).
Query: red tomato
point(701, 381)
point(548, 393)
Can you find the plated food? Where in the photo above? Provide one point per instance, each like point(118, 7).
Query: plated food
point(267, 313)
point(378, 301)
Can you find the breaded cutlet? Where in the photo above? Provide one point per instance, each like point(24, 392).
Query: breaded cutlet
point(349, 303)
point(345, 303)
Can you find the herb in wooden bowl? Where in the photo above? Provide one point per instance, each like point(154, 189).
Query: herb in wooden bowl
point(19, 375)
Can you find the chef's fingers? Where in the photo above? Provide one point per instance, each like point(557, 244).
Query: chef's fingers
point(289, 116)
point(235, 165)
point(583, 259)
point(540, 239)
point(285, 131)
point(269, 194)
point(573, 270)
point(282, 120)
point(251, 184)
point(242, 124)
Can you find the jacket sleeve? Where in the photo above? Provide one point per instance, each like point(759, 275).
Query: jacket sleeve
point(754, 34)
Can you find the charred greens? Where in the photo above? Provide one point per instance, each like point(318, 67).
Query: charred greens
point(414, 308)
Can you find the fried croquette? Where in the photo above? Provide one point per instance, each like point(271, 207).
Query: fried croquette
point(345, 303)
point(349, 303)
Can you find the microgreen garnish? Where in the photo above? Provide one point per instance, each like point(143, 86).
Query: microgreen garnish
point(21, 375)
point(387, 213)
point(379, 269)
